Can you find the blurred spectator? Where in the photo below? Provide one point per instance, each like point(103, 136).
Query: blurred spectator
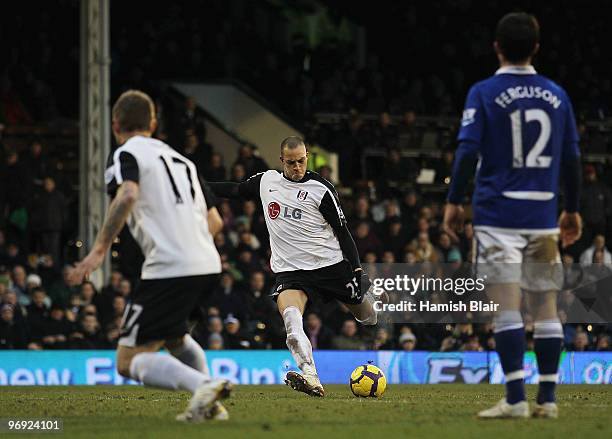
point(595, 203)
point(361, 212)
point(409, 135)
point(38, 313)
point(603, 343)
point(449, 344)
point(125, 287)
point(73, 308)
point(395, 238)
point(407, 341)
point(382, 340)
point(472, 344)
point(61, 290)
point(113, 332)
point(112, 288)
point(49, 211)
point(192, 119)
point(238, 173)
point(215, 171)
point(19, 313)
point(320, 336)
point(366, 241)
point(19, 285)
point(14, 255)
point(229, 298)
point(36, 163)
point(259, 305)
point(348, 338)
point(13, 334)
point(448, 252)
point(89, 335)
point(197, 152)
point(215, 342)
point(235, 337)
point(599, 244)
point(56, 329)
point(386, 132)
point(250, 160)
point(581, 341)
point(423, 248)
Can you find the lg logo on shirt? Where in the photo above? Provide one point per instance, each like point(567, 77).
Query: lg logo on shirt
point(274, 210)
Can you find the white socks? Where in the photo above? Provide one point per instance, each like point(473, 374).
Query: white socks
point(372, 319)
point(297, 341)
point(192, 354)
point(166, 372)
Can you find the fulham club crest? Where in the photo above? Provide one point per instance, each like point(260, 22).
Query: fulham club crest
point(302, 195)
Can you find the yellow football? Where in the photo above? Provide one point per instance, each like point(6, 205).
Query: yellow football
point(368, 381)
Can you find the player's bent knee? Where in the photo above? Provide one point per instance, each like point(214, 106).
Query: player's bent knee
point(174, 344)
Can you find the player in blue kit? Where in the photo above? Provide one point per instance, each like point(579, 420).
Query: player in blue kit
point(518, 130)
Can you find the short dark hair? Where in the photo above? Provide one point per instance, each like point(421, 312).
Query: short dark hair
point(134, 111)
point(517, 35)
point(291, 142)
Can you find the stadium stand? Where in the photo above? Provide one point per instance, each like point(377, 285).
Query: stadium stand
point(386, 114)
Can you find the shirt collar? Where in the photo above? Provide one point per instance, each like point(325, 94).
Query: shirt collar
point(516, 70)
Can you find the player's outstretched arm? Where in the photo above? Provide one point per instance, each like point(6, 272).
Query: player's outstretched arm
point(225, 189)
point(118, 212)
point(248, 189)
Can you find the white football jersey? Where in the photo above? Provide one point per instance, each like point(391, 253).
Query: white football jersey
point(170, 219)
point(298, 216)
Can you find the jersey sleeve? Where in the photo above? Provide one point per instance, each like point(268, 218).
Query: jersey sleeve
point(570, 161)
point(126, 168)
point(109, 176)
point(120, 166)
point(472, 122)
point(209, 195)
point(331, 210)
point(250, 187)
point(571, 138)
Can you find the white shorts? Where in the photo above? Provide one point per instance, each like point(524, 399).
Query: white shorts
point(508, 256)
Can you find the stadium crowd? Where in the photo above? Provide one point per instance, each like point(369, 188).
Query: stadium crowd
point(392, 218)
point(39, 310)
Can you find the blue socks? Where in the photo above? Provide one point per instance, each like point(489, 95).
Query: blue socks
point(548, 336)
point(510, 343)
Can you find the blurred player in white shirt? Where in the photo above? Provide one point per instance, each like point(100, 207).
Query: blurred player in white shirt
point(171, 214)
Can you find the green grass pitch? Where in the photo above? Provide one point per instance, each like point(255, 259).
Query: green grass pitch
point(419, 411)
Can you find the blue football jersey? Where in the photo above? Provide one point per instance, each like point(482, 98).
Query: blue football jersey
point(522, 127)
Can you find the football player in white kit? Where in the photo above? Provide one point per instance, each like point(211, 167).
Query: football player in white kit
point(312, 250)
point(172, 217)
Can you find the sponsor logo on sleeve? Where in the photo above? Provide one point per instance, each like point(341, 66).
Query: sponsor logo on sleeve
point(468, 117)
